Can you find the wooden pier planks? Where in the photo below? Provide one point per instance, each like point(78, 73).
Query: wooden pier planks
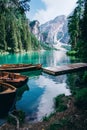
point(70, 68)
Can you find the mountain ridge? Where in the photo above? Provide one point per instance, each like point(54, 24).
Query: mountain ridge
point(55, 30)
point(51, 32)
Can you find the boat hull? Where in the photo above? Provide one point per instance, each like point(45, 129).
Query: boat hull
point(17, 84)
point(21, 69)
point(7, 101)
point(14, 79)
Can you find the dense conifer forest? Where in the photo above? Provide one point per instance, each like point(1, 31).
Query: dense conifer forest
point(77, 25)
point(15, 34)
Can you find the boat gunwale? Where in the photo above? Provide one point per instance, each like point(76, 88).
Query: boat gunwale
point(35, 66)
point(12, 88)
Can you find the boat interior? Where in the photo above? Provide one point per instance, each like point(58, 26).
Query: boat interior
point(6, 88)
point(11, 76)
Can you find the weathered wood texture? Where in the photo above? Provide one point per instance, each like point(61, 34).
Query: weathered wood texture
point(70, 68)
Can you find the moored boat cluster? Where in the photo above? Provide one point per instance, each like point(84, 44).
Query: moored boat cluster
point(10, 81)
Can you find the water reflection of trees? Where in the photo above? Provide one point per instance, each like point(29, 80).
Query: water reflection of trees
point(21, 90)
point(75, 81)
point(32, 73)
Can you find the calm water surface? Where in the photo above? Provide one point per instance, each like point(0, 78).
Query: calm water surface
point(36, 98)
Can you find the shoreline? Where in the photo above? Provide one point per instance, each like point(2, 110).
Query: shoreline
point(71, 115)
point(40, 125)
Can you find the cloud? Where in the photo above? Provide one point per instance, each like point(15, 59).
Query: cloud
point(54, 8)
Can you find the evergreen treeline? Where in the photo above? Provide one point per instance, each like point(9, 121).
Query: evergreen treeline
point(77, 24)
point(15, 34)
point(78, 38)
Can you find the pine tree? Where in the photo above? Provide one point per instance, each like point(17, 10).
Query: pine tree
point(74, 24)
point(3, 43)
point(83, 44)
point(13, 38)
point(14, 27)
point(73, 28)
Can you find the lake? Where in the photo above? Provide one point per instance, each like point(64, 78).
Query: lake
point(36, 98)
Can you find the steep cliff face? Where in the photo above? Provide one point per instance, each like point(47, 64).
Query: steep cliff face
point(55, 30)
point(34, 27)
point(52, 32)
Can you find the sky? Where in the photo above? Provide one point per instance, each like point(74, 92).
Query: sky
point(45, 10)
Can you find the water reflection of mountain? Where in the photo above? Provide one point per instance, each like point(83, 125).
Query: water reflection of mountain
point(57, 79)
point(53, 86)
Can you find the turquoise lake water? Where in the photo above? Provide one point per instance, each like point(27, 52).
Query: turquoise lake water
point(36, 98)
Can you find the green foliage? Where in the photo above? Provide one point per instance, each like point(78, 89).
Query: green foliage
point(58, 100)
point(81, 98)
point(15, 34)
point(73, 28)
point(19, 5)
point(46, 46)
point(35, 43)
point(59, 103)
point(3, 43)
point(62, 107)
point(11, 120)
point(47, 118)
point(60, 124)
point(72, 53)
point(55, 126)
point(77, 26)
point(19, 114)
point(75, 81)
point(84, 78)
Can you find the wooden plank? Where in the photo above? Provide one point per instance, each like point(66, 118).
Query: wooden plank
point(59, 70)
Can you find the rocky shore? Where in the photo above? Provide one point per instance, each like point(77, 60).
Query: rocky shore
point(70, 119)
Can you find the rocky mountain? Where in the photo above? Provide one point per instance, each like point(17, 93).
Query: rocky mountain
point(51, 32)
point(55, 30)
point(34, 28)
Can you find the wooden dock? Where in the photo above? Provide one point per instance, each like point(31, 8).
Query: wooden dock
point(70, 68)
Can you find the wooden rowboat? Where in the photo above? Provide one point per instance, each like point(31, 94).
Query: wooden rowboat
point(14, 79)
point(19, 67)
point(7, 98)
